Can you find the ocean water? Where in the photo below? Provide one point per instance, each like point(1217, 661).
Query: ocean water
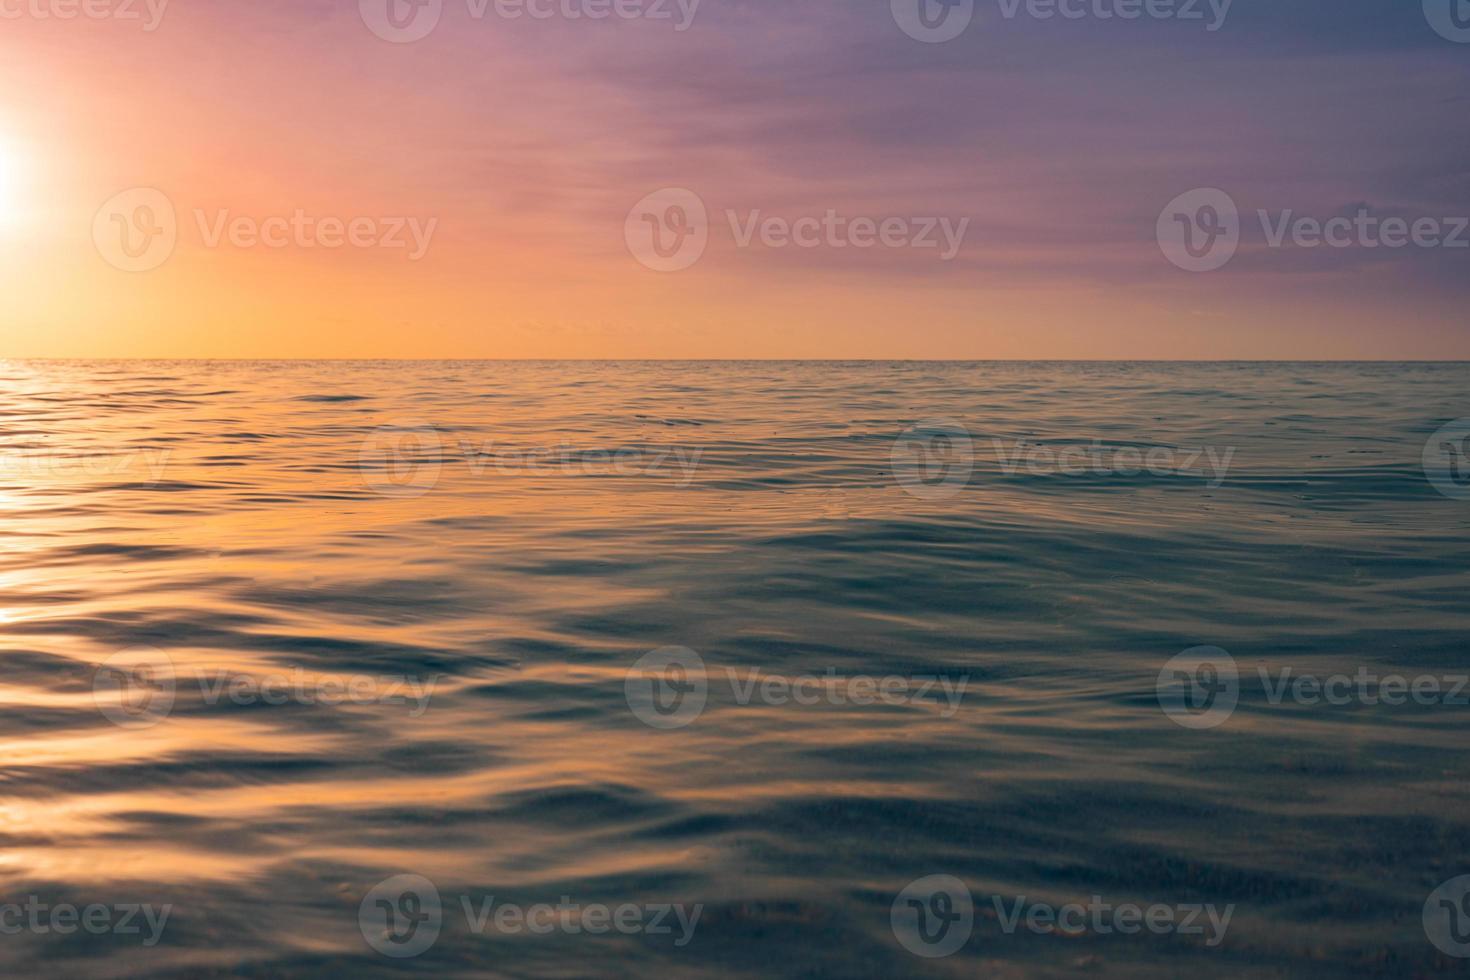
point(275, 634)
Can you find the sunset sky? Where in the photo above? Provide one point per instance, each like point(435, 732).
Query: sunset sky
point(519, 147)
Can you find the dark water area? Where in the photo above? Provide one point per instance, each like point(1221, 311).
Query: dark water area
point(722, 663)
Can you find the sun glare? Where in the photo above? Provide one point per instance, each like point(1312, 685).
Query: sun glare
point(9, 185)
point(13, 178)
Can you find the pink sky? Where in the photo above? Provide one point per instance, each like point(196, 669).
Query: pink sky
point(515, 150)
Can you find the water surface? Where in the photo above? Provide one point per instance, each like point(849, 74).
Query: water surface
point(518, 534)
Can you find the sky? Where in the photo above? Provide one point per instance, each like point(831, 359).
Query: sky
point(735, 178)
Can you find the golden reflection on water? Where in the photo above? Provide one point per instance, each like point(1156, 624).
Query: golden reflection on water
point(246, 521)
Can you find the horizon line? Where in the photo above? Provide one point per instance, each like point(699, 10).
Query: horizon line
point(770, 360)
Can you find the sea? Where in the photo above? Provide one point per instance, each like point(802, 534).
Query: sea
point(734, 669)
